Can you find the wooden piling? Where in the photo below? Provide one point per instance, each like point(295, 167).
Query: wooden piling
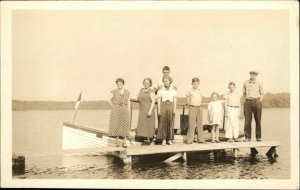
point(18, 164)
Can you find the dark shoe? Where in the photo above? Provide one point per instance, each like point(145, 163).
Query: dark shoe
point(230, 140)
point(246, 140)
point(258, 140)
point(189, 143)
point(235, 140)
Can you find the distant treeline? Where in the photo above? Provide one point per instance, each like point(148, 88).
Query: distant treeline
point(278, 100)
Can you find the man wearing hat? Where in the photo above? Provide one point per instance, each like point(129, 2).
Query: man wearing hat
point(253, 93)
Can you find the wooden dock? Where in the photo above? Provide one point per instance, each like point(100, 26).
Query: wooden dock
point(78, 140)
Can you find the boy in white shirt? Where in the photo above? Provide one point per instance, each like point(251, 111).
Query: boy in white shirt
point(194, 99)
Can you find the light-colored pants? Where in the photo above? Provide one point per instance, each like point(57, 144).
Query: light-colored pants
point(232, 123)
point(195, 120)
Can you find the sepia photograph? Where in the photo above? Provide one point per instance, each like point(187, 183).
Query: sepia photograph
point(159, 94)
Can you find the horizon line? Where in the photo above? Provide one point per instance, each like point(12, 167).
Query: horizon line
point(106, 100)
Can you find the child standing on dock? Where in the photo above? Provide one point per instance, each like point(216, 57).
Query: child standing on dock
point(119, 117)
point(232, 113)
point(194, 100)
point(215, 116)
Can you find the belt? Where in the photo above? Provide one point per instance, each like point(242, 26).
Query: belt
point(195, 106)
point(233, 106)
point(252, 99)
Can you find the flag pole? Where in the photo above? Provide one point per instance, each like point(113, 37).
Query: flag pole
point(75, 115)
point(77, 106)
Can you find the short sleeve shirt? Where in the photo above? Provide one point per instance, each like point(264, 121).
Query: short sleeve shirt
point(233, 99)
point(253, 89)
point(195, 96)
point(167, 94)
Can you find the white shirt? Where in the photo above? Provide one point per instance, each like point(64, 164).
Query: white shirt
point(233, 99)
point(195, 96)
point(167, 94)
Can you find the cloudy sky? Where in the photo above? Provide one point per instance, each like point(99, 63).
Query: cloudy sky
point(56, 54)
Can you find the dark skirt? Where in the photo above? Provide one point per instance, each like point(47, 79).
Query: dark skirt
point(146, 124)
point(166, 127)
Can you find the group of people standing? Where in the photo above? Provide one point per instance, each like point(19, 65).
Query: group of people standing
point(166, 94)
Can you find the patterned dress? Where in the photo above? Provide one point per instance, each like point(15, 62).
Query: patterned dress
point(146, 124)
point(119, 117)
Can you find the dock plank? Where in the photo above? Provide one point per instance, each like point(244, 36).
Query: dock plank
point(182, 147)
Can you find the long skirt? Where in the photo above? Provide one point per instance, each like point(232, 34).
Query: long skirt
point(146, 124)
point(232, 123)
point(166, 127)
point(119, 121)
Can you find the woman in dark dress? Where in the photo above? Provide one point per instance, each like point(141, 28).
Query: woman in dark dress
point(146, 120)
point(119, 124)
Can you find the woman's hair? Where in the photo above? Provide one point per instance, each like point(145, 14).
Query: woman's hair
point(231, 83)
point(148, 79)
point(120, 80)
point(214, 93)
point(167, 77)
point(195, 79)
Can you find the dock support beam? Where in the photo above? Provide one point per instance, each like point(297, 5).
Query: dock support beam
point(176, 156)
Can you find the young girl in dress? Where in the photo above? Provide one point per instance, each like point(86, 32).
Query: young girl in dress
point(215, 116)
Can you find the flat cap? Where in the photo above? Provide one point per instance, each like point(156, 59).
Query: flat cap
point(254, 71)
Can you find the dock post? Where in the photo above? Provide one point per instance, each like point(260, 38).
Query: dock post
point(127, 160)
point(184, 156)
point(253, 152)
point(18, 164)
point(272, 152)
point(235, 152)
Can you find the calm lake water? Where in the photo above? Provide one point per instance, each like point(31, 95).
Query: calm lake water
point(38, 135)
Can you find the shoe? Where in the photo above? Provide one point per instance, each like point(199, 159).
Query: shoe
point(201, 142)
point(170, 142)
point(189, 143)
point(246, 140)
point(124, 145)
point(235, 140)
point(163, 143)
point(258, 140)
point(213, 141)
point(230, 140)
point(217, 141)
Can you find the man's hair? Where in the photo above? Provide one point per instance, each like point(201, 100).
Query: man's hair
point(231, 83)
point(166, 68)
point(195, 79)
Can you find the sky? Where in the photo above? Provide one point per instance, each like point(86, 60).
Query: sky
point(58, 53)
